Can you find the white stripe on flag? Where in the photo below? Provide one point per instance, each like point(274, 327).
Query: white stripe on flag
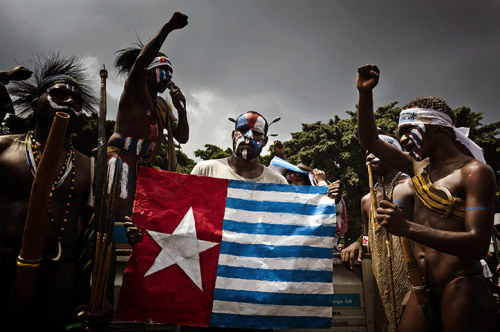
point(227, 307)
point(274, 286)
point(277, 263)
point(279, 218)
point(276, 196)
point(279, 240)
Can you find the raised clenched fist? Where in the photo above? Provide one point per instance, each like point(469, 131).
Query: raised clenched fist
point(367, 78)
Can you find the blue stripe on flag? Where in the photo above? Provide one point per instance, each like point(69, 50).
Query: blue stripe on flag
point(227, 271)
point(264, 250)
point(269, 322)
point(276, 229)
point(279, 207)
point(277, 187)
point(273, 298)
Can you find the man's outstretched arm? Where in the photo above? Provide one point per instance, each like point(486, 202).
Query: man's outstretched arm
point(152, 47)
point(366, 81)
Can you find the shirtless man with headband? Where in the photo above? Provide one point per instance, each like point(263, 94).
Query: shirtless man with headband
point(140, 122)
point(454, 208)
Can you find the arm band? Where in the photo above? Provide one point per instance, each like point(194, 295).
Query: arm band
point(400, 203)
point(476, 208)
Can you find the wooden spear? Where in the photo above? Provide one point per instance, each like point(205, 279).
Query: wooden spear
point(104, 210)
point(30, 257)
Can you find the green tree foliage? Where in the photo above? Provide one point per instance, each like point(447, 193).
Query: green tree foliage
point(84, 132)
point(334, 148)
point(185, 163)
point(212, 152)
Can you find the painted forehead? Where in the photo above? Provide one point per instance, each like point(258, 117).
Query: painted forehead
point(67, 86)
point(251, 120)
point(60, 81)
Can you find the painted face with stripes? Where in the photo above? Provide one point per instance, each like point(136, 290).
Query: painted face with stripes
point(249, 136)
point(161, 72)
point(411, 139)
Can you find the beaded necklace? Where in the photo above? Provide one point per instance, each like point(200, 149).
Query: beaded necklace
point(33, 157)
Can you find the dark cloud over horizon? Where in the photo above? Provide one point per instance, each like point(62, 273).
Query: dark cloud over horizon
point(292, 59)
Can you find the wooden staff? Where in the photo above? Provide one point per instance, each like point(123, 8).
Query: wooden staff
point(104, 210)
point(387, 239)
point(101, 162)
point(416, 279)
point(373, 198)
point(104, 246)
point(30, 257)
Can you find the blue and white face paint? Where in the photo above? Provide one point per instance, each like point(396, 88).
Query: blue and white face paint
point(163, 75)
point(419, 117)
point(416, 135)
point(246, 125)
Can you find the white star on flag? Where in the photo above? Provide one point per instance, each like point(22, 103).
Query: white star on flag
point(182, 247)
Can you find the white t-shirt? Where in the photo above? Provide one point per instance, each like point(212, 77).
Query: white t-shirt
point(219, 168)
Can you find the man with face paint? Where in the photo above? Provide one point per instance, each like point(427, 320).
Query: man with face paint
point(453, 212)
point(59, 85)
point(397, 187)
point(142, 115)
point(249, 138)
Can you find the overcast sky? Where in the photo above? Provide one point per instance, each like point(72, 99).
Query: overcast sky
point(292, 59)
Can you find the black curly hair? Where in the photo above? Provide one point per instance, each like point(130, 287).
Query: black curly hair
point(440, 105)
point(434, 103)
point(25, 92)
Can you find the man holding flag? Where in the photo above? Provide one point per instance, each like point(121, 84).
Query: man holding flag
point(249, 138)
point(220, 252)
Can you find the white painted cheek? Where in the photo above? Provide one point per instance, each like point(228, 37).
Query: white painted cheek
point(238, 142)
point(58, 107)
point(248, 137)
point(54, 105)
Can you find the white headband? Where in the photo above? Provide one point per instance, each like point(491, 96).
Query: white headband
point(160, 61)
point(391, 140)
point(423, 116)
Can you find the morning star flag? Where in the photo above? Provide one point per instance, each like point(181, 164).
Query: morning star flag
point(229, 253)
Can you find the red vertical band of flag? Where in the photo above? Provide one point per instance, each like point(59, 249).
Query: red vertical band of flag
point(154, 298)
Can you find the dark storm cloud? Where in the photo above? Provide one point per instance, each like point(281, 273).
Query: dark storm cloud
point(292, 59)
